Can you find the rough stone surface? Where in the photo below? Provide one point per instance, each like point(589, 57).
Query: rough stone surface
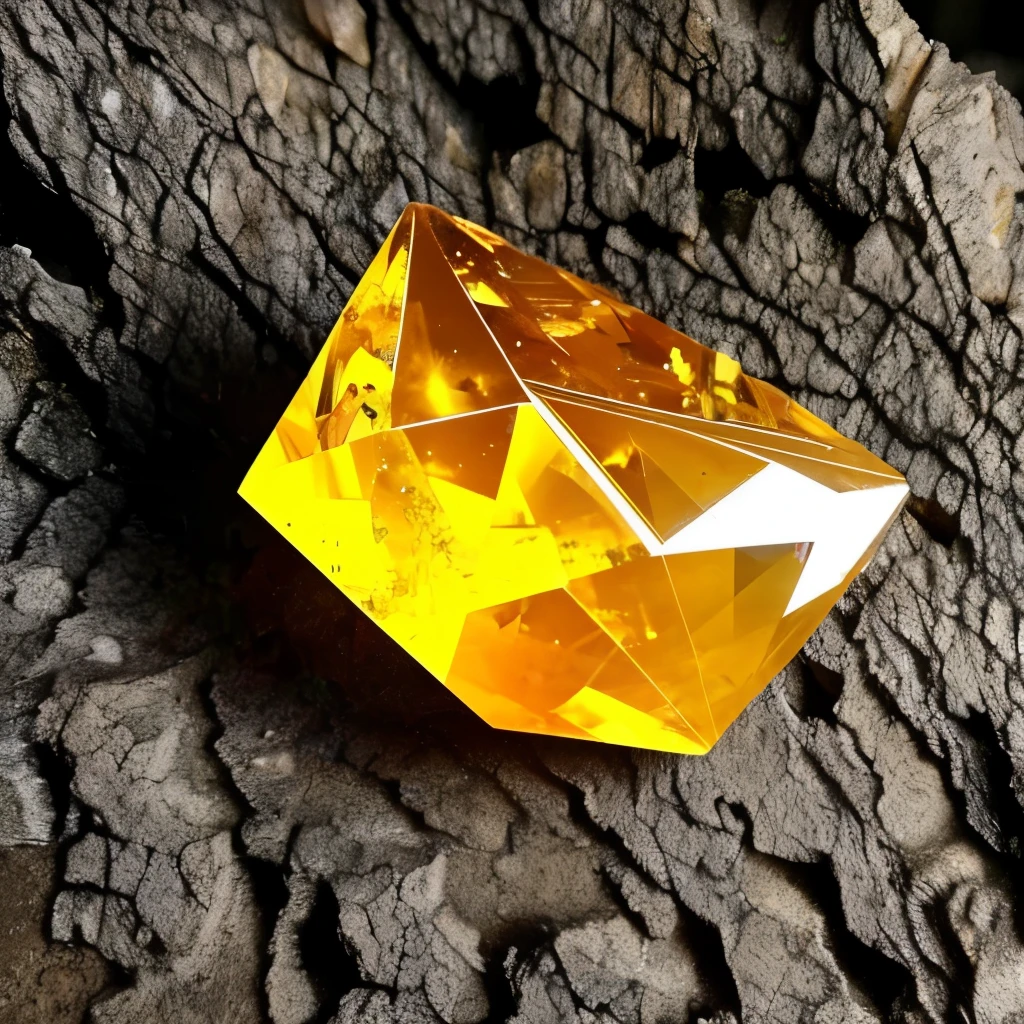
point(223, 797)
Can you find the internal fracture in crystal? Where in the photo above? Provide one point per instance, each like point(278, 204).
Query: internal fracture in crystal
point(580, 520)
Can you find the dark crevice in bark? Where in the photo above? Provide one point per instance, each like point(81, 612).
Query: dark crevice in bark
point(184, 487)
point(885, 982)
point(504, 109)
point(733, 216)
point(501, 996)
point(270, 891)
point(958, 733)
point(703, 938)
point(731, 184)
point(61, 236)
point(798, 25)
point(60, 367)
point(509, 941)
point(718, 171)
point(507, 108)
point(58, 771)
point(891, 701)
point(393, 787)
point(629, 913)
point(730, 187)
point(813, 690)
point(937, 522)
point(1003, 802)
point(54, 488)
point(846, 227)
point(370, 9)
point(57, 767)
point(594, 237)
point(658, 151)
point(216, 731)
point(978, 744)
point(650, 234)
point(997, 786)
point(249, 312)
point(331, 967)
point(958, 971)
point(882, 980)
point(705, 942)
point(266, 890)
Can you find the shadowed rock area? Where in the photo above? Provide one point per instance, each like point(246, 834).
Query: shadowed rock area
point(223, 795)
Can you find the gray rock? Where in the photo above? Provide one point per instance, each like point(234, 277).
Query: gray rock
point(262, 813)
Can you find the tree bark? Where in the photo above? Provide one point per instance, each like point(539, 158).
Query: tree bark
point(223, 796)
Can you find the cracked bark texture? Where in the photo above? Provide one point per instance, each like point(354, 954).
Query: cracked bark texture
point(222, 796)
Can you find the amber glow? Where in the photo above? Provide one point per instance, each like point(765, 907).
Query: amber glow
point(581, 521)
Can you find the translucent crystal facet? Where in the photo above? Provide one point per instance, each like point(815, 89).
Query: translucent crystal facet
point(581, 521)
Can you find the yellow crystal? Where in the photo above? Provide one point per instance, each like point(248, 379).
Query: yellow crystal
point(581, 521)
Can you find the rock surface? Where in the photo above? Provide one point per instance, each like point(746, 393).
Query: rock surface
point(222, 796)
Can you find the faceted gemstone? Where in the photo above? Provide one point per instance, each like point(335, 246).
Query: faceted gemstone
point(581, 521)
